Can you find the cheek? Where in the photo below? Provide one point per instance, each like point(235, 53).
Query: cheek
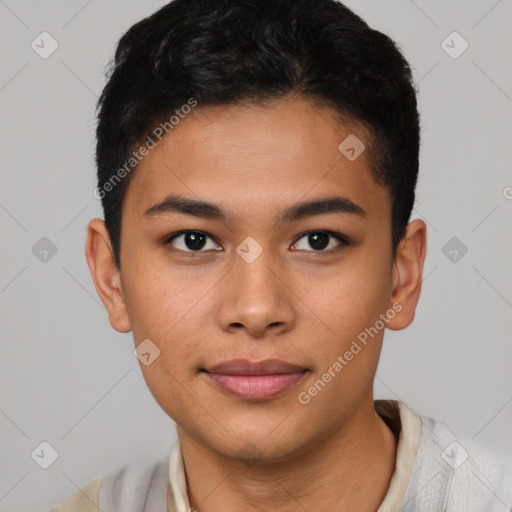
point(158, 297)
point(351, 297)
point(170, 386)
point(160, 313)
point(172, 308)
point(350, 303)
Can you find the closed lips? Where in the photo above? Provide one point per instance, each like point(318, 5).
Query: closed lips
point(245, 367)
point(255, 381)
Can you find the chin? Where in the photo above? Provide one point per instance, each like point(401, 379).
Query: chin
point(257, 448)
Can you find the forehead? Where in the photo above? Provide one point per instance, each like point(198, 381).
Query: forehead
point(247, 155)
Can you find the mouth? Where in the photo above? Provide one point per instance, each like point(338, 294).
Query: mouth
point(255, 381)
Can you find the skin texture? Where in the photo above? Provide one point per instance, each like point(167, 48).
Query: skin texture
point(292, 303)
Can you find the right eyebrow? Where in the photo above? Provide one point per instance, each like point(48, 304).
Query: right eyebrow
point(180, 204)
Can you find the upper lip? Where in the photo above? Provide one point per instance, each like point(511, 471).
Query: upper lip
point(245, 367)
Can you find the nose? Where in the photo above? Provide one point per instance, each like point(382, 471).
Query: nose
point(255, 297)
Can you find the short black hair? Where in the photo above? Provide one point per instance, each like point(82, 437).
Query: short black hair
point(222, 52)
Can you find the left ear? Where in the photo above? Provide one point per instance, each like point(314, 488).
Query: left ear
point(408, 275)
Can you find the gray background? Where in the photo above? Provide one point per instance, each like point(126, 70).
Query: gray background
point(67, 378)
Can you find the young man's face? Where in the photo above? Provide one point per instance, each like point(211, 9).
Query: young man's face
point(257, 287)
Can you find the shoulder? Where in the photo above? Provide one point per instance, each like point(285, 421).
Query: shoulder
point(453, 473)
point(137, 486)
point(85, 500)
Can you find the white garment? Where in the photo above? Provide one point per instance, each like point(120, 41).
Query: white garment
point(435, 472)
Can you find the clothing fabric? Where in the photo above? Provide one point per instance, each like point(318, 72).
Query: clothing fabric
point(434, 472)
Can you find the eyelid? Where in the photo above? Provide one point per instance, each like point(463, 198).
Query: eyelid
point(340, 237)
point(169, 238)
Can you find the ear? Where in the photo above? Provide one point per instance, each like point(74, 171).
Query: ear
point(408, 275)
point(106, 277)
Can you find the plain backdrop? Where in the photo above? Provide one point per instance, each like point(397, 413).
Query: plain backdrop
point(69, 380)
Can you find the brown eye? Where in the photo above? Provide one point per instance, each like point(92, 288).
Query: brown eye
point(191, 241)
point(321, 241)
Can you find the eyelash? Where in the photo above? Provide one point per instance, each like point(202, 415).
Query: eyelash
point(344, 240)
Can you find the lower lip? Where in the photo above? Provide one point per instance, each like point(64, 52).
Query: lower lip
point(256, 387)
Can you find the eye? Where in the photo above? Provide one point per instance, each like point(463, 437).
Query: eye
point(191, 241)
point(319, 241)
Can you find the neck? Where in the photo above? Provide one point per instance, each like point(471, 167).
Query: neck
point(348, 469)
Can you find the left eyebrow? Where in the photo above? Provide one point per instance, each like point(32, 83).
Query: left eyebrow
point(334, 204)
point(203, 209)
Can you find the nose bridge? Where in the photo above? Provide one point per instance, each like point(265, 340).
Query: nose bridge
point(253, 296)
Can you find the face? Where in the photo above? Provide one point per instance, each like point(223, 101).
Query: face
point(257, 275)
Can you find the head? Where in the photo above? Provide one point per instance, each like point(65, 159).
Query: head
point(257, 162)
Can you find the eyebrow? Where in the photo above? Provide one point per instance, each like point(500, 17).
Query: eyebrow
point(203, 209)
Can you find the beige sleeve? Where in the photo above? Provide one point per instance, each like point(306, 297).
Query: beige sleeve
point(85, 500)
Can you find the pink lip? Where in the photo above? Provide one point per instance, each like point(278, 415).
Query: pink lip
point(255, 381)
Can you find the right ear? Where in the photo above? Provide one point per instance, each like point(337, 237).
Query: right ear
point(107, 281)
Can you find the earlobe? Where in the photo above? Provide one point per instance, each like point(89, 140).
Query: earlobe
point(408, 274)
point(105, 275)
